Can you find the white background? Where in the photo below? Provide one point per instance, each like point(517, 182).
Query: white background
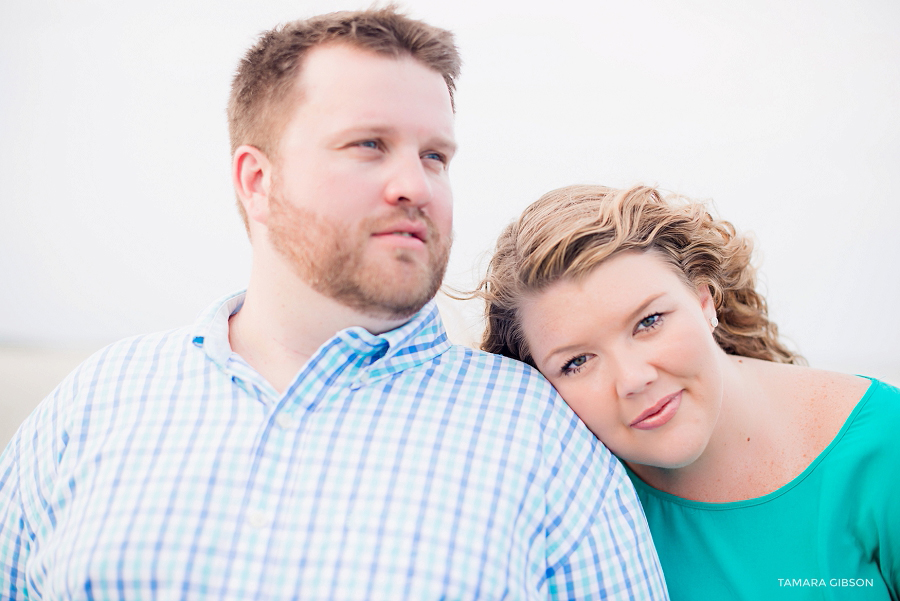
point(117, 214)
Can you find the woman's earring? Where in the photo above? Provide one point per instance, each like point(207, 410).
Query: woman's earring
point(714, 321)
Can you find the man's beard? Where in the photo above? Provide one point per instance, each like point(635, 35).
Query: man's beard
point(335, 263)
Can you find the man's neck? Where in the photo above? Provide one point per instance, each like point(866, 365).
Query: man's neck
point(283, 322)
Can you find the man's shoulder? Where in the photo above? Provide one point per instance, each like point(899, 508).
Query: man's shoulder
point(144, 346)
point(478, 362)
point(132, 356)
point(489, 377)
point(492, 359)
point(117, 374)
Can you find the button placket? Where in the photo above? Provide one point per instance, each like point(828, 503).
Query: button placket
point(282, 430)
point(258, 519)
point(285, 421)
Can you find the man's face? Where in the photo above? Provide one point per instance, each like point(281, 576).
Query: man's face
point(360, 201)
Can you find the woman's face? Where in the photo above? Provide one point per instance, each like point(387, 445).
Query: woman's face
point(630, 349)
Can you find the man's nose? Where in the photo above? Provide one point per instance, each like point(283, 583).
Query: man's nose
point(408, 182)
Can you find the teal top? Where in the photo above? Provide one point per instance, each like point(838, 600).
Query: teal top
point(833, 532)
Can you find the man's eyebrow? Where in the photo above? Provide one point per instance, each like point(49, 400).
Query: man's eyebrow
point(445, 145)
point(367, 130)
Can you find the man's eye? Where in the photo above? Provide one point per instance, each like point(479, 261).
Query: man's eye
point(368, 144)
point(435, 156)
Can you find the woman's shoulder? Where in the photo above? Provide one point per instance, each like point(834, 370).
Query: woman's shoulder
point(832, 397)
point(811, 385)
point(826, 404)
point(828, 397)
point(876, 415)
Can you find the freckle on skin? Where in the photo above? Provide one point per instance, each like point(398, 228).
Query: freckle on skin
point(748, 440)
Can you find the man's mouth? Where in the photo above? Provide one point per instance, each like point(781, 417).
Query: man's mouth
point(414, 230)
point(405, 234)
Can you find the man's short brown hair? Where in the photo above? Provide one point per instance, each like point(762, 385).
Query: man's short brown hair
point(261, 89)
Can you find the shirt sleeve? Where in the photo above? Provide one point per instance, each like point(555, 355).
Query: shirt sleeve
point(15, 537)
point(889, 554)
point(598, 541)
point(881, 524)
point(28, 469)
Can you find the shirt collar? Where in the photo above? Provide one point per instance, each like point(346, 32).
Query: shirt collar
point(211, 328)
point(419, 340)
point(379, 355)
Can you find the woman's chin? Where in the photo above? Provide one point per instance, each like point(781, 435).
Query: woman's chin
point(670, 460)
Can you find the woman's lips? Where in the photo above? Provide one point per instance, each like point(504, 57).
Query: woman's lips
point(659, 414)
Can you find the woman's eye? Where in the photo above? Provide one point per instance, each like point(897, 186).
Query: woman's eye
point(434, 156)
point(649, 322)
point(368, 144)
point(574, 364)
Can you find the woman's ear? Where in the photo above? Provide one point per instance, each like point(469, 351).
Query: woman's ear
point(251, 173)
point(707, 304)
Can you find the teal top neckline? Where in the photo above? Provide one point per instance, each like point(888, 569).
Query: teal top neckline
point(787, 487)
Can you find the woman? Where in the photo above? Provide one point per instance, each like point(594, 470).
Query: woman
point(760, 478)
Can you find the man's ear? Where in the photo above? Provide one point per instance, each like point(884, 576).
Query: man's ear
point(251, 173)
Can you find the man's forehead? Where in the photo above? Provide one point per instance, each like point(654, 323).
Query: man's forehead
point(343, 87)
point(342, 64)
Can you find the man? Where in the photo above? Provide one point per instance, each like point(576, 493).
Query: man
point(318, 437)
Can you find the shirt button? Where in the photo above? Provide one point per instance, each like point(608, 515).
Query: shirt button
point(285, 421)
point(257, 519)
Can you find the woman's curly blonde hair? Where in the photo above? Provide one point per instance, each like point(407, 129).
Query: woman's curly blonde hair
point(569, 231)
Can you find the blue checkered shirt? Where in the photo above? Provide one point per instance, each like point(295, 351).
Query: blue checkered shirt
point(393, 467)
